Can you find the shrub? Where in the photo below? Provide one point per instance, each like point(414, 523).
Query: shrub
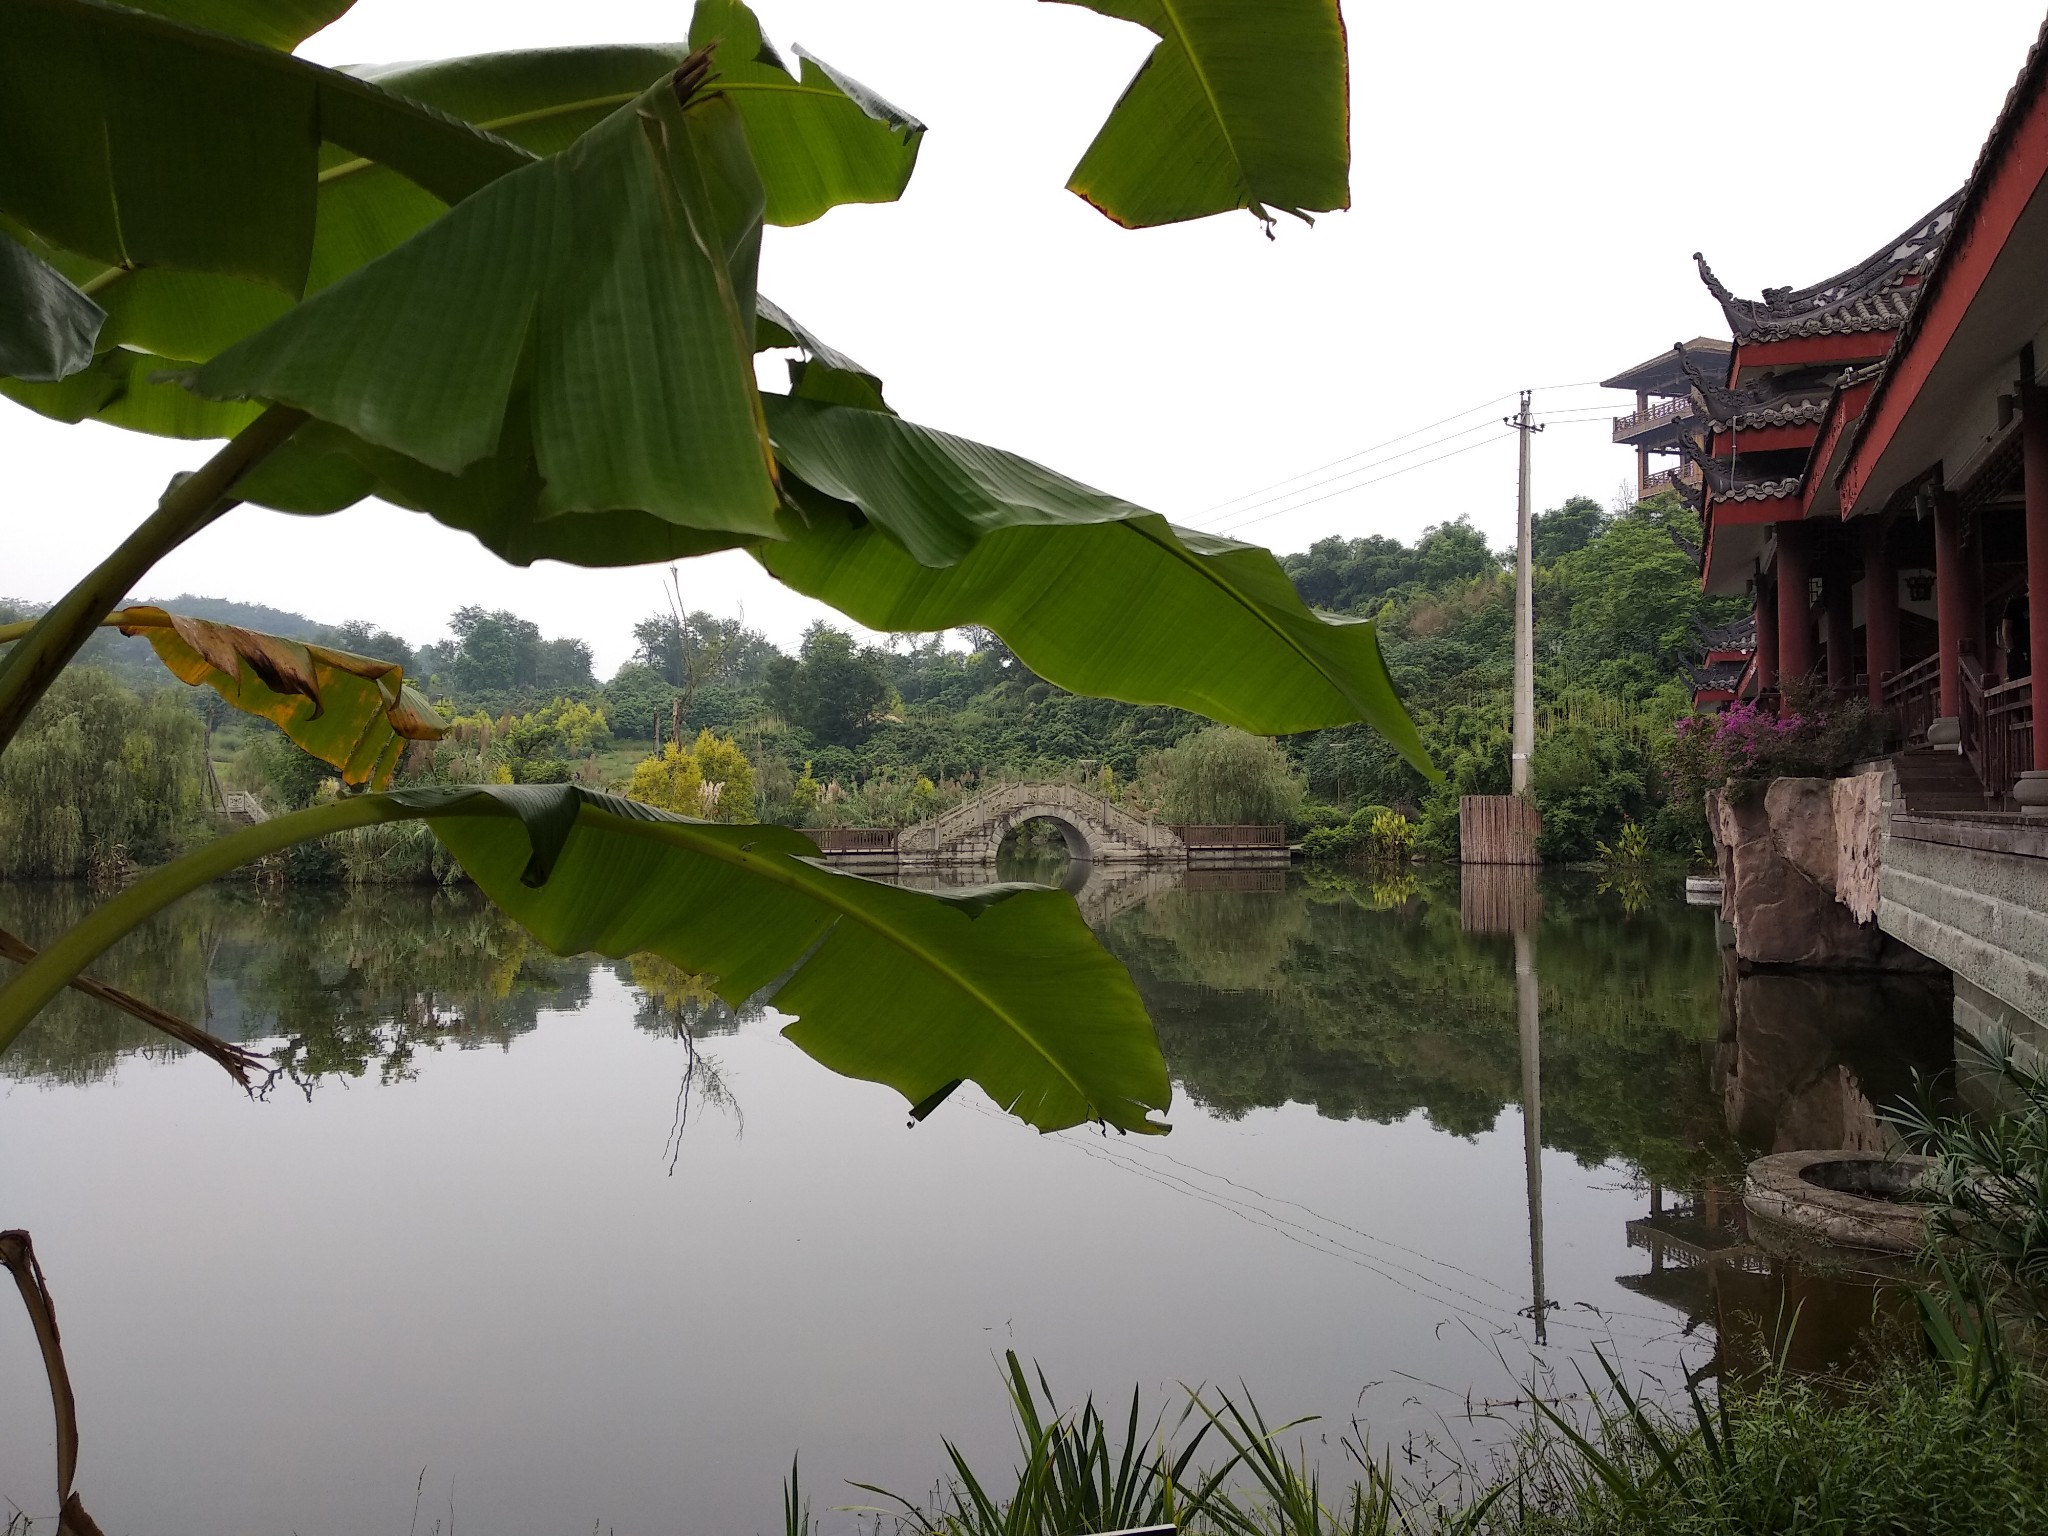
point(1813, 735)
point(99, 776)
point(1388, 836)
point(1224, 776)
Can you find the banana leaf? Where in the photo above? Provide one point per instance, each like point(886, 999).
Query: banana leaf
point(579, 334)
point(136, 141)
point(279, 24)
point(352, 712)
point(1244, 104)
point(47, 327)
point(1002, 986)
point(822, 140)
point(904, 528)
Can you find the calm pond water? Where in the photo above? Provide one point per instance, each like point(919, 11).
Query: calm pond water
point(491, 1248)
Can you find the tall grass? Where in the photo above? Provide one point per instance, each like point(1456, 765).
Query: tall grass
point(1905, 1448)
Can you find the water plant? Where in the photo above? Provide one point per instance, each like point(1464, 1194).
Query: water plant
point(1900, 1448)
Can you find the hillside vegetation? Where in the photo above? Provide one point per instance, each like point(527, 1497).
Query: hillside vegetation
point(843, 733)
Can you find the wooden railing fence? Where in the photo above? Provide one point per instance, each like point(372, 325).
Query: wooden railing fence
point(1914, 694)
point(1248, 835)
point(853, 839)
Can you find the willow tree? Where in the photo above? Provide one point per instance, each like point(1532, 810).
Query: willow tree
point(516, 293)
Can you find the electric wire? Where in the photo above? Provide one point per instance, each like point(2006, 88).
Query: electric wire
point(1358, 469)
point(1357, 486)
point(1234, 512)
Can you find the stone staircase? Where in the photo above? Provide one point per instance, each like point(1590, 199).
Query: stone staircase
point(1928, 779)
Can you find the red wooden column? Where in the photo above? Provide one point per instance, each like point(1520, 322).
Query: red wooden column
point(1766, 634)
point(1841, 627)
point(1880, 607)
point(1795, 617)
point(1949, 602)
point(2032, 791)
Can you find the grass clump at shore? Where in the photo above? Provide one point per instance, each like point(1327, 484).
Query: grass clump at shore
point(1912, 1447)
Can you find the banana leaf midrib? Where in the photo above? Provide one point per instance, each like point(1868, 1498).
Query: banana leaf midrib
point(1171, 10)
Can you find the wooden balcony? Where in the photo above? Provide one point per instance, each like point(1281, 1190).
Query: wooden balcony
point(1658, 414)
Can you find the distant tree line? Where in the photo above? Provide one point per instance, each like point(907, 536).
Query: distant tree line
point(846, 731)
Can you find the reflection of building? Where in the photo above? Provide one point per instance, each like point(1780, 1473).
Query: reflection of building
point(1686, 1235)
point(1762, 1309)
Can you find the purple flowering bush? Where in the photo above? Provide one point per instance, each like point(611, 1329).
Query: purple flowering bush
point(1813, 735)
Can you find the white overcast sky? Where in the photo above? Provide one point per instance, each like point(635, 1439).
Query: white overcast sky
point(1528, 183)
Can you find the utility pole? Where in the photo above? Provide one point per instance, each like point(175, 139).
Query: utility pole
point(1525, 614)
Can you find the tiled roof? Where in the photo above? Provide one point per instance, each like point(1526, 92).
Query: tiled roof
point(1737, 635)
point(1877, 294)
point(1737, 483)
point(1791, 414)
point(1760, 490)
point(1722, 675)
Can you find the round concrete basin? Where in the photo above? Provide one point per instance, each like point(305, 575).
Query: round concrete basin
point(1861, 1201)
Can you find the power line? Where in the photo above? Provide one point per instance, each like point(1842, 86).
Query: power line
point(1435, 442)
point(1283, 490)
point(1359, 453)
point(1358, 486)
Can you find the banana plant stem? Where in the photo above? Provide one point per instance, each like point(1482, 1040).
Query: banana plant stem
point(191, 503)
point(51, 971)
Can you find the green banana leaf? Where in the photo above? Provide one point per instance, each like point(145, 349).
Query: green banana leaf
point(47, 327)
point(905, 528)
point(1244, 104)
point(279, 24)
point(354, 713)
point(1002, 986)
point(136, 141)
point(822, 140)
point(579, 333)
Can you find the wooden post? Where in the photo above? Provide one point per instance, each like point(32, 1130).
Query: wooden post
point(1948, 617)
point(1795, 614)
point(1766, 634)
point(2032, 789)
point(1841, 628)
point(1880, 608)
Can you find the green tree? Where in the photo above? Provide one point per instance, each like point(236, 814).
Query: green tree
point(98, 774)
point(1561, 530)
point(1222, 776)
point(833, 690)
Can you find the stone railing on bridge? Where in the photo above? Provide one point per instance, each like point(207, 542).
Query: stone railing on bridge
point(1094, 828)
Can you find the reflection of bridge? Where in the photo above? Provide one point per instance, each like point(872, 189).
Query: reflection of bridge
point(1095, 830)
point(1104, 890)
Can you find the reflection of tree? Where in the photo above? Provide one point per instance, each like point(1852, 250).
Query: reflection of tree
point(349, 981)
point(681, 1003)
point(1229, 941)
point(1377, 1013)
point(77, 1040)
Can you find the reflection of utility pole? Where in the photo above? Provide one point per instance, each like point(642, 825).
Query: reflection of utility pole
point(1531, 1029)
point(1525, 613)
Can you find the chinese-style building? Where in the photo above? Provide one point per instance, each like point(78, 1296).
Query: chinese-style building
point(1664, 417)
point(1872, 468)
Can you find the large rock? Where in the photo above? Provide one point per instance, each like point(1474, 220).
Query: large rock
point(1799, 873)
point(1858, 805)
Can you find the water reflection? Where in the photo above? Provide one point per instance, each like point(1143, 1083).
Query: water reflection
point(1346, 1048)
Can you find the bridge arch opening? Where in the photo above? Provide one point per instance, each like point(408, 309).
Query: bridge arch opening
point(1035, 840)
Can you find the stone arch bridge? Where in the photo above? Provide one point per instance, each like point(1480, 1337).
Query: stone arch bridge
point(1095, 831)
